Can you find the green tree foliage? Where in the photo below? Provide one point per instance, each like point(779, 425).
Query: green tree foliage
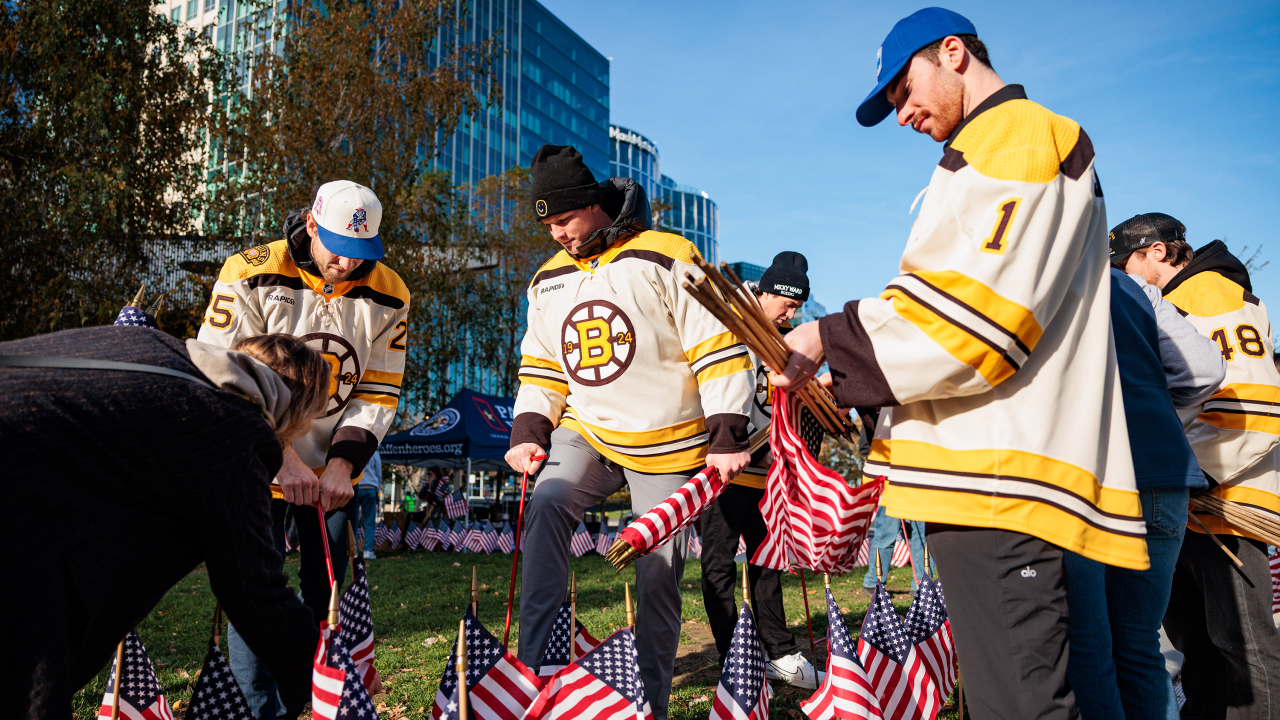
point(102, 107)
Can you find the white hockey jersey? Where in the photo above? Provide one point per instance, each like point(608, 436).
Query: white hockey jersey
point(360, 326)
point(618, 352)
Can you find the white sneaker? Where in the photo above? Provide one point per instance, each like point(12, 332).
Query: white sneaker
point(794, 670)
point(369, 555)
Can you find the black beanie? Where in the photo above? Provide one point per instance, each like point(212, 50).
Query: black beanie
point(561, 181)
point(787, 276)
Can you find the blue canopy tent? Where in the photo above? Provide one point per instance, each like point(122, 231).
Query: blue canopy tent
point(472, 432)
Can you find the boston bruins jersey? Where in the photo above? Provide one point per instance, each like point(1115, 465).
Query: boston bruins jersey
point(618, 352)
point(360, 326)
point(1235, 434)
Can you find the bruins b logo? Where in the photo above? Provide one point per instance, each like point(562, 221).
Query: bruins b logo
point(598, 343)
point(256, 256)
point(344, 367)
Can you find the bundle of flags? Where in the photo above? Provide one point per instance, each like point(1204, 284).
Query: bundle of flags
point(337, 688)
point(431, 535)
point(814, 519)
point(480, 537)
point(580, 544)
point(556, 655)
point(356, 623)
point(898, 673)
point(671, 515)
point(846, 691)
point(140, 693)
point(455, 505)
point(695, 544)
point(499, 686)
point(744, 691)
point(604, 685)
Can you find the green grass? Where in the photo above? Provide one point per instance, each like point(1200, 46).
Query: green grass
point(418, 599)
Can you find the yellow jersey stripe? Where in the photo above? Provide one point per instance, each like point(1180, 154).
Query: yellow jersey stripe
point(542, 382)
point(710, 345)
point(724, 368)
point(1258, 500)
point(980, 354)
point(692, 458)
point(531, 361)
point(387, 401)
point(386, 378)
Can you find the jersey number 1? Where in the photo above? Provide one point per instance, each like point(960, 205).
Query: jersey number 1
point(997, 242)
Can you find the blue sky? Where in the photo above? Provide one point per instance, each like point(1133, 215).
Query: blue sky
point(753, 102)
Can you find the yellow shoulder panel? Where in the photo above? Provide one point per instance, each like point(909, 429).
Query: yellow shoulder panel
point(1018, 140)
point(272, 258)
point(559, 261)
point(1207, 294)
point(386, 281)
point(676, 247)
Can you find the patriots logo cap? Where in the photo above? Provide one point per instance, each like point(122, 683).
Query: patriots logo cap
point(347, 215)
point(907, 37)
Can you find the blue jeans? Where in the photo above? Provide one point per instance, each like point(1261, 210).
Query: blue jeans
point(1115, 665)
point(252, 676)
point(884, 533)
point(367, 499)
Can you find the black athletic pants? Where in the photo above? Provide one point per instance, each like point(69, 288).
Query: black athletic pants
point(1007, 599)
point(737, 512)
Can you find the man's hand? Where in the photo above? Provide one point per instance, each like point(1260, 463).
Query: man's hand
point(336, 489)
point(521, 458)
point(826, 382)
point(297, 482)
point(729, 464)
point(806, 357)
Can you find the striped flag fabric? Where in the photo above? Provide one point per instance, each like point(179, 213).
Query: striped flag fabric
point(455, 505)
point(499, 687)
point(695, 544)
point(1275, 583)
point(141, 697)
point(846, 691)
point(393, 535)
point(459, 535)
point(604, 685)
point(930, 632)
point(671, 515)
point(379, 535)
point(556, 655)
point(864, 553)
point(288, 544)
point(488, 537)
point(897, 672)
point(337, 690)
point(743, 693)
point(604, 539)
point(356, 623)
point(446, 536)
point(431, 535)
point(507, 539)
point(360, 538)
point(901, 551)
point(814, 519)
point(217, 696)
point(474, 540)
point(580, 544)
point(742, 546)
point(411, 537)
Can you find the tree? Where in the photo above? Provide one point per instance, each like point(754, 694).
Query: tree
point(102, 108)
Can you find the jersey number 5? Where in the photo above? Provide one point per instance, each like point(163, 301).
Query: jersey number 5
point(997, 242)
point(220, 317)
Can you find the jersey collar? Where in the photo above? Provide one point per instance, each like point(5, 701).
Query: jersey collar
point(1003, 95)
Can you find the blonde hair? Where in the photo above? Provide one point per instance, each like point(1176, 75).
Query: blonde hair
point(304, 372)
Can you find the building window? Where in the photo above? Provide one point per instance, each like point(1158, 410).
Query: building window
point(192, 7)
point(176, 15)
point(210, 4)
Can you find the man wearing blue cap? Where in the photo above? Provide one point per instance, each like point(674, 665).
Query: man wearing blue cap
point(991, 354)
point(324, 284)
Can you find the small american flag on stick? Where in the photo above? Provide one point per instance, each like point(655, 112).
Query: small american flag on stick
point(931, 634)
point(499, 687)
point(901, 551)
point(695, 544)
point(556, 655)
point(455, 506)
point(356, 623)
point(217, 696)
point(337, 690)
point(668, 518)
point(580, 543)
point(412, 536)
point(604, 539)
point(141, 697)
point(846, 691)
point(744, 691)
point(604, 684)
point(898, 674)
point(507, 539)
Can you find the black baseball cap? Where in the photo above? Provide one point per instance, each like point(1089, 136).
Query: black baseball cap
point(1141, 231)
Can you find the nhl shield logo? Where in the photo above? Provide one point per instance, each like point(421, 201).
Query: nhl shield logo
point(541, 207)
point(358, 221)
point(328, 289)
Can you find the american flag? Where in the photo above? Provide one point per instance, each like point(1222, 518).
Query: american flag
point(846, 691)
point(411, 536)
point(864, 553)
point(695, 544)
point(581, 544)
point(140, 695)
point(458, 535)
point(360, 538)
point(901, 551)
point(431, 535)
point(217, 696)
point(337, 690)
point(742, 546)
point(499, 687)
point(455, 506)
point(1275, 583)
point(442, 530)
point(671, 515)
point(507, 539)
point(356, 623)
point(474, 539)
point(898, 674)
point(393, 535)
point(132, 316)
point(930, 632)
point(814, 519)
point(556, 656)
point(744, 691)
point(604, 539)
point(604, 685)
point(379, 535)
point(489, 537)
point(288, 544)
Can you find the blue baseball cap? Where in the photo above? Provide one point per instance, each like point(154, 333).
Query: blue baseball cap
point(909, 35)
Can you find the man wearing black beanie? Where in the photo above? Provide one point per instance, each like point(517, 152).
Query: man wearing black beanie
point(784, 287)
point(625, 380)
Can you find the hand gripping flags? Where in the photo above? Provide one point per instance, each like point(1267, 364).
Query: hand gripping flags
point(455, 506)
point(337, 690)
point(930, 632)
point(356, 623)
point(846, 691)
point(671, 515)
point(580, 543)
point(897, 673)
point(499, 687)
point(814, 518)
point(604, 685)
point(556, 655)
point(744, 691)
point(140, 695)
point(217, 696)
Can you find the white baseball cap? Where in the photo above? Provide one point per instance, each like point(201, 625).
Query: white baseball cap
point(348, 215)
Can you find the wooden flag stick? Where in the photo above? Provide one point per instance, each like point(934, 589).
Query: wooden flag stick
point(1216, 541)
point(631, 613)
point(804, 592)
point(352, 550)
point(462, 669)
point(115, 683)
point(573, 616)
point(333, 605)
point(475, 592)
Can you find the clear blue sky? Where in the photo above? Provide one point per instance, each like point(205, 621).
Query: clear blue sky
point(754, 103)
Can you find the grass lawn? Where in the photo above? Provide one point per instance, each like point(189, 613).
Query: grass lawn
point(418, 599)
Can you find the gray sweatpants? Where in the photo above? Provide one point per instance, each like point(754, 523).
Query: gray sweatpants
point(574, 477)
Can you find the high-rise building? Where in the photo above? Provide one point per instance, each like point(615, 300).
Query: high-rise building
point(635, 156)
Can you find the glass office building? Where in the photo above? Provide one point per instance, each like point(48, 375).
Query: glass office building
point(635, 156)
point(694, 215)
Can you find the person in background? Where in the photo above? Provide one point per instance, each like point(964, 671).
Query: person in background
point(367, 492)
point(1219, 615)
point(1116, 666)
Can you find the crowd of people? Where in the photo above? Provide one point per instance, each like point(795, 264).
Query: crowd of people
point(1045, 397)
